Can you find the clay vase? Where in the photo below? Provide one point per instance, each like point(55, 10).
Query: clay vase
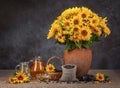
point(81, 57)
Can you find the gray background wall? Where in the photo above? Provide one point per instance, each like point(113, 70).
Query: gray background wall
point(24, 25)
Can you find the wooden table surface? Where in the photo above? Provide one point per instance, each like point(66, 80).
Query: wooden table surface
point(114, 75)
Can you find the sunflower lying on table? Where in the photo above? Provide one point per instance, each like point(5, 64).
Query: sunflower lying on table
point(97, 78)
point(100, 77)
point(19, 77)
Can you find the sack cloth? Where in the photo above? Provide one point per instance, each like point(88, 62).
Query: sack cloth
point(69, 73)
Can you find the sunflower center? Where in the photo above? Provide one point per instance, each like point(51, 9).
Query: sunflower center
point(60, 37)
point(67, 24)
point(100, 77)
point(50, 68)
point(75, 29)
point(94, 21)
point(20, 77)
point(83, 15)
point(84, 32)
point(55, 29)
point(94, 30)
point(103, 27)
point(84, 24)
point(12, 80)
point(67, 17)
point(76, 21)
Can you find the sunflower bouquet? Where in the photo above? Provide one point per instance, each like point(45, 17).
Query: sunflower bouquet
point(19, 77)
point(78, 27)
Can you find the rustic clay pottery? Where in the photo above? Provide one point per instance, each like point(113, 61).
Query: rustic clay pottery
point(81, 58)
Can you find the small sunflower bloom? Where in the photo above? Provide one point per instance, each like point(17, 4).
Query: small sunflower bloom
point(12, 80)
point(50, 68)
point(100, 77)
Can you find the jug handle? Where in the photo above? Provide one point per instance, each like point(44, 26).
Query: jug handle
point(17, 67)
point(30, 62)
point(55, 57)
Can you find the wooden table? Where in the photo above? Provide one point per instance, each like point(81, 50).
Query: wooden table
point(114, 75)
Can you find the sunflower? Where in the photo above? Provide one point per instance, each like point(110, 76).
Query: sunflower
point(56, 21)
point(100, 77)
point(50, 68)
point(96, 30)
point(66, 24)
point(103, 21)
point(85, 33)
point(105, 29)
point(75, 11)
point(21, 77)
point(55, 28)
point(51, 33)
point(94, 21)
point(75, 37)
point(67, 14)
point(60, 37)
point(85, 13)
point(70, 13)
point(84, 24)
point(12, 80)
point(75, 29)
point(76, 20)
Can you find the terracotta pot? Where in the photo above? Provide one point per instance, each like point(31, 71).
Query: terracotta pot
point(80, 57)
